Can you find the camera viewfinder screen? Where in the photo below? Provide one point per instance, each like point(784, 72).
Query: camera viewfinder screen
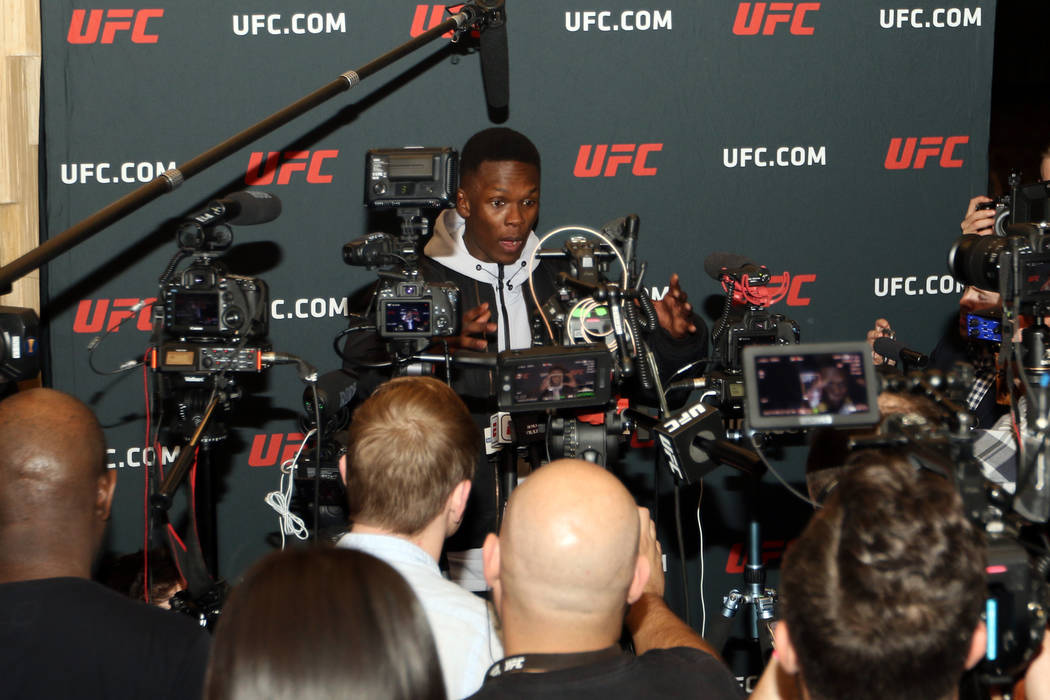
point(1036, 271)
point(196, 310)
point(407, 317)
point(546, 381)
point(798, 386)
point(411, 166)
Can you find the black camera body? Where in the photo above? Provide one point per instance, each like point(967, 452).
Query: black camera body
point(209, 304)
point(413, 309)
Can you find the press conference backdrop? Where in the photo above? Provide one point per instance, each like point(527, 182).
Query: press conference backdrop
point(836, 143)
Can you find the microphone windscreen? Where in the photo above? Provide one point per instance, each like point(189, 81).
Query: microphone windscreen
point(716, 262)
point(888, 347)
point(253, 207)
point(495, 74)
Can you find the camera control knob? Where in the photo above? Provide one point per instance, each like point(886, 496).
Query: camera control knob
point(380, 187)
point(232, 318)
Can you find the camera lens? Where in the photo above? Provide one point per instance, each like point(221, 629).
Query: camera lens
point(974, 260)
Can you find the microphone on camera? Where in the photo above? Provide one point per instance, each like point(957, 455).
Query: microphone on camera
point(894, 350)
point(495, 74)
point(245, 208)
point(719, 265)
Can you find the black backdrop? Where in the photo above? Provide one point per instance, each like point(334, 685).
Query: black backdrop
point(835, 142)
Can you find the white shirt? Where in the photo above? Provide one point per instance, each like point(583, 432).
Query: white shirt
point(461, 622)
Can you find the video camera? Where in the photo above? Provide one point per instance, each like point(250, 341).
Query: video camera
point(409, 311)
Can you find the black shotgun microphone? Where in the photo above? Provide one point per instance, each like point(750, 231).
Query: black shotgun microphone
point(245, 208)
point(895, 350)
point(495, 74)
point(716, 264)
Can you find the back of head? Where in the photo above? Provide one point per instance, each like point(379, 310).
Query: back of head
point(883, 590)
point(323, 623)
point(569, 545)
point(52, 453)
point(410, 444)
point(497, 144)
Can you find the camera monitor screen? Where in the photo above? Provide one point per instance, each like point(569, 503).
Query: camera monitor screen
point(820, 384)
point(544, 378)
point(195, 311)
point(406, 317)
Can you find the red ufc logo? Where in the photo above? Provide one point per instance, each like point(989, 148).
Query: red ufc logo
point(603, 159)
point(277, 448)
point(785, 285)
point(133, 21)
point(419, 20)
point(263, 166)
point(771, 551)
point(903, 154)
point(91, 315)
point(750, 16)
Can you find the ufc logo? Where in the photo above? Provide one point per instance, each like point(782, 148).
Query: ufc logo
point(115, 21)
point(903, 153)
point(781, 286)
point(771, 551)
point(262, 167)
point(603, 159)
point(419, 20)
point(277, 448)
point(92, 315)
point(750, 16)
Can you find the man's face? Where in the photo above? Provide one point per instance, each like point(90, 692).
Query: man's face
point(556, 377)
point(500, 202)
point(834, 385)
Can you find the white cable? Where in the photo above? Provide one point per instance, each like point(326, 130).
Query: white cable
point(288, 522)
point(700, 529)
point(532, 260)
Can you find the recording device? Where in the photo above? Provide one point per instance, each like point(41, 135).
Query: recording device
point(893, 349)
point(1018, 559)
point(210, 304)
point(1016, 261)
point(810, 385)
point(552, 378)
point(412, 176)
point(409, 311)
point(19, 344)
point(985, 326)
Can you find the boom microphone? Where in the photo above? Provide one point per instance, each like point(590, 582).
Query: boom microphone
point(245, 208)
point(895, 350)
point(495, 74)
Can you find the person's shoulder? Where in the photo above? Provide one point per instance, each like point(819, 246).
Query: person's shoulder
point(692, 666)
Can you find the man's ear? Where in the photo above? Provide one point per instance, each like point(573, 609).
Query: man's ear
point(455, 505)
point(978, 645)
point(638, 581)
point(104, 493)
point(462, 203)
point(785, 650)
point(490, 558)
point(342, 469)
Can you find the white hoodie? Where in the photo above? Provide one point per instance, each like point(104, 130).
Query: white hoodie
point(447, 248)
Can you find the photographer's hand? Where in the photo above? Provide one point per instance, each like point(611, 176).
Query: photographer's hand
point(475, 326)
point(882, 328)
point(674, 312)
point(978, 220)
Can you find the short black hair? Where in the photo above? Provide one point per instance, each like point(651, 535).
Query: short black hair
point(497, 144)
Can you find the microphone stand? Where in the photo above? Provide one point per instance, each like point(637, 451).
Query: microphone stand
point(470, 15)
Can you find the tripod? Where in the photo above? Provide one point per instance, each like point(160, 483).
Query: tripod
point(759, 601)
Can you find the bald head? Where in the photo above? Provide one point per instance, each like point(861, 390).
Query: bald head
point(52, 463)
point(569, 543)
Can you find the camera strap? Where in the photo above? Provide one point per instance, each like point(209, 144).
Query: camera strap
point(522, 663)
